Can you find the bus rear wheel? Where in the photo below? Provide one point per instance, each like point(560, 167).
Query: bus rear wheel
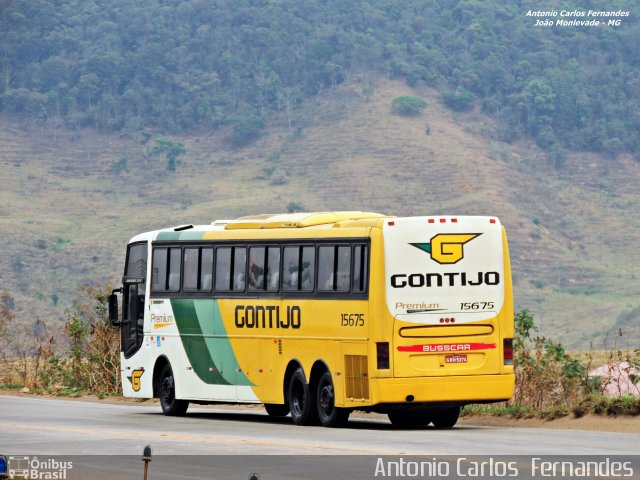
point(171, 406)
point(446, 418)
point(406, 419)
point(301, 402)
point(329, 415)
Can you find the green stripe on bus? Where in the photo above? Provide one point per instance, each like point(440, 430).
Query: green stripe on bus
point(180, 236)
point(205, 341)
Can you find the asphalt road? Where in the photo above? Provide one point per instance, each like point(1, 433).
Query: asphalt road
point(47, 427)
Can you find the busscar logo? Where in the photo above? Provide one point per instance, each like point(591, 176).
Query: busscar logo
point(447, 248)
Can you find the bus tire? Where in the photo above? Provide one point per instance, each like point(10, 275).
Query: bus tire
point(329, 415)
point(405, 419)
point(301, 401)
point(276, 410)
point(446, 418)
point(171, 406)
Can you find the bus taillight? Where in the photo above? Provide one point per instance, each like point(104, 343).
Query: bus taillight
point(508, 351)
point(382, 350)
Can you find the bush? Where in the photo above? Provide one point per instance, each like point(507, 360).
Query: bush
point(294, 207)
point(459, 100)
point(551, 383)
point(408, 105)
point(245, 129)
point(93, 359)
point(546, 376)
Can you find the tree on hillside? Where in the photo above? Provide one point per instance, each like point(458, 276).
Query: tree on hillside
point(172, 149)
point(245, 129)
point(459, 100)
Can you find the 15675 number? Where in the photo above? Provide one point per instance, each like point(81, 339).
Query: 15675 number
point(352, 319)
point(477, 306)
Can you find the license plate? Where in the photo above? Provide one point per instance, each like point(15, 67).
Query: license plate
point(455, 359)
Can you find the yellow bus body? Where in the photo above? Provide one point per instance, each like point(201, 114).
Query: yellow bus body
point(428, 331)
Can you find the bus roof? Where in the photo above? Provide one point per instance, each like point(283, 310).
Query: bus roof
point(268, 221)
point(298, 220)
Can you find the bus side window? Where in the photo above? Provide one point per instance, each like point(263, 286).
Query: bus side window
point(343, 268)
point(360, 262)
point(239, 268)
point(273, 268)
point(299, 266)
point(159, 269)
point(206, 269)
point(173, 281)
point(325, 267)
point(290, 268)
point(334, 268)
point(223, 268)
point(307, 272)
point(198, 269)
point(256, 268)
point(165, 275)
point(191, 268)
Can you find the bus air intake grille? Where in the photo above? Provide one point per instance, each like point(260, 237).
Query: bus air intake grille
point(357, 376)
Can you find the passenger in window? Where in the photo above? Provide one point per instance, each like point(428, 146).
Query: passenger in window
point(291, 276)
point(306, 275)
point(238, 282)
point(256, 276)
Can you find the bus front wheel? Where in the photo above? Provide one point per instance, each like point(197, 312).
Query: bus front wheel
point(329, 414)
point(301, 402)
point(171, 406)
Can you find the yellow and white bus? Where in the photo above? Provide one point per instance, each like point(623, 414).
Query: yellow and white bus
point(320, 314)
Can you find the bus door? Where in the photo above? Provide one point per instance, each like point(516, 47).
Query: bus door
point(134, 286)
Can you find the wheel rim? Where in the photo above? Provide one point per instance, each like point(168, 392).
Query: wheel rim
point(326, 399)
point(297, 399)
point(167, 391)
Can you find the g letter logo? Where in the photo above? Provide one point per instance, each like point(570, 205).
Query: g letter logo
point(135, 380)
point(446, 248)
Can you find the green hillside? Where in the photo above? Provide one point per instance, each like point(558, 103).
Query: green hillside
point(122, 116)
point(185, 65)
point(69, 205)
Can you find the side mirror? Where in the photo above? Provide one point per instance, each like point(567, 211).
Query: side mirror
point(113, 308)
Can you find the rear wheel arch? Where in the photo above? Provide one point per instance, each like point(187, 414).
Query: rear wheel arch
point(317, 370)
point(293, 365)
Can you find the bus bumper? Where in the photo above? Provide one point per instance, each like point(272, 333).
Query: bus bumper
point(450, 389)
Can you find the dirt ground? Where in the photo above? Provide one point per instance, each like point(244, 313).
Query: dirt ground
point(598, 423)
